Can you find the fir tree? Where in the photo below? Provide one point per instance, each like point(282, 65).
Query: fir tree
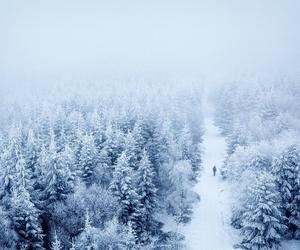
point(148, 195)
point(98, 128)
point(123, 189)
point(260, 163)
point(22, 175)
point(114, 144)
point(131, 150)
point(155, 147)
point(8, 161)
point(262, 222)
point(9, 236)
point(31, 151)
point(237, 137)
point(56, 244)
point(88, 159)
point(185, 143)
point(26, 221)
point(73, 246)
point(88, 238)
point(287, 168)
point(196, 160)
point(57, 180)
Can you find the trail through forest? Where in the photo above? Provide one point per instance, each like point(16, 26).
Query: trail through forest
point(209, 228)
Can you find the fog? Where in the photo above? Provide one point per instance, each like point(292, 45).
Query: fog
point(44, 40)
point(131, 124)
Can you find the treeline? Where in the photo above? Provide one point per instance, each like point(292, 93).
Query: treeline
point(261, 123)
point(95, 168)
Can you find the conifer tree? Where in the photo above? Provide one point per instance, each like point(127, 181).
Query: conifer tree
point(26, 221)
point(9, 236)
point(56, 244)
point(185, 143)
point(88, 238)
point(196, 160)
point(287, 168)
point(260, 162)
point(147, 192)
point(31, 151)
point(123, 189)
point(57, 180)
point(131, 150)
point(137, 135)
point(9, 159)
point(114, 143)
point(73, 246)
point(88, 159)
point(237, 137)
point(262, 222)
point(8, 162)
point(22, 175)
point(98, 128)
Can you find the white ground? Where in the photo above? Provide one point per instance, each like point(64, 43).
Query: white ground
point(209, 229)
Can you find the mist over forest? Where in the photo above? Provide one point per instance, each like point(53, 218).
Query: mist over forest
point(149, 125)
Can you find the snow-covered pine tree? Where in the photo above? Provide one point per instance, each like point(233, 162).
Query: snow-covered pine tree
point(137, 134)
point(168, 150)
point(57, 179)
point(261, 221)
point(8, 161)
point(104, 171)
point(260, 163)
point(225, 110)
point(196, 160)
point(236, 138)
point(147, 192)
point(97, 127)
point(26, 221)
point(67, 157)
point(181, 197)
point(114, 143)
point(31, 150)
point(73, 246)
point(88, 238)
point(268, 109)
point(122, 187)
point(129, 242)
point(56, 244)
point(42, 123)
point(87, 159)
point(25, 215)
point(22, 176)
point(131, 150)
point(185, 143)
point(287, 168)
point(9, 236)
point(155, 148)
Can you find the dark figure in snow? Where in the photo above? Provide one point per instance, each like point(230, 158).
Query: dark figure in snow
point(214, 170)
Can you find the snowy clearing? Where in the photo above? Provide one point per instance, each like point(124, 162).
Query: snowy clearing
point(210, 229)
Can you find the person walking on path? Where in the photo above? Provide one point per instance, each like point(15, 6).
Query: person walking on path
point(215, 170)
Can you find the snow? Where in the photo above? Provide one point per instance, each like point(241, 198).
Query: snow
point(210, 228)
point(290, 245)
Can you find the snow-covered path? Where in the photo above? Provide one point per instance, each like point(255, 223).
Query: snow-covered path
point(209, 228)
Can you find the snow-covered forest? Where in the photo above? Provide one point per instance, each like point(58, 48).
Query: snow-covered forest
point(96, 168)
point(109, 167)
point(261, 124)
point(149, 125)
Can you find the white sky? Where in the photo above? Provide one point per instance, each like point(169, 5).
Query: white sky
point(46, 38)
